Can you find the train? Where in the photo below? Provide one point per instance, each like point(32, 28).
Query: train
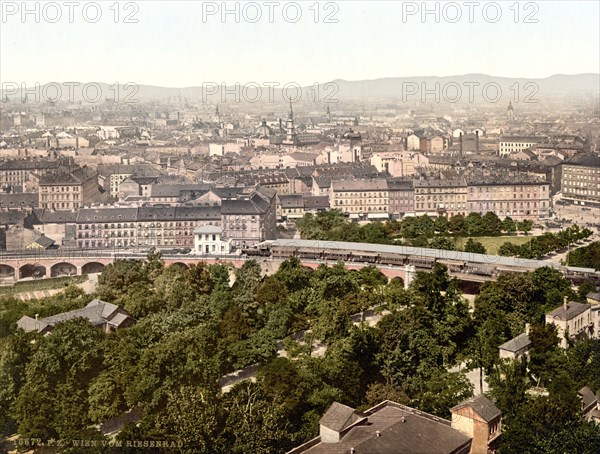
point(486, 267)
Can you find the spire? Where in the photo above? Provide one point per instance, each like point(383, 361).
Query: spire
point(290, 129)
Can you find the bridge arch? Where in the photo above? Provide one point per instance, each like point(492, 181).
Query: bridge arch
point(63, 269)
point(7, 272)
point(32, 270)
point(92, 267)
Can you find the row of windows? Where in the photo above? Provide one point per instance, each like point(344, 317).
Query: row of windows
point(152, 225)
point(508, 204)
point(361, 202)
point(59, 188)
point(507, 189)
point(580, 170)
point(57, 205)
point(434, 206)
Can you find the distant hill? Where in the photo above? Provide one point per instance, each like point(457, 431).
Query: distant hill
point(549, 88)
point(559, 85)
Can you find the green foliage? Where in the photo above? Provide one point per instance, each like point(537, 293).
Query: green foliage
point(586, 257)
point(539, 246)
point(545, 355)
point(12, 309)
point(53, 401)
point(192, 328)
point(509, 225)
point(474, 247)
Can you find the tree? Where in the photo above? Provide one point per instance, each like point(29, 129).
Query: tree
point(586, 257)
point(293, 274)
point(441, 391)
point(525, 226)
point(117, 277)
point(584, 289)
point(509, 249)
point(247, 281)
point(475, 247)
point(456, 224)
point(378, 392)
point(193, 416)
point(508, 385)
point(474, 224)
point(509, 225)
point(545, 353)
point(14, 356)
point(442, 243)
point(441, 225)
point(54, 399)
point(492, 223)
point(255, 423)
point(200, 278)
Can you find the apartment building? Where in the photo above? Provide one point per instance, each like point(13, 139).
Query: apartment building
point(18, 173)
point(360, 198)
point(69, 190)
point(580, 181)
point(110, 176)
point(519, 198)
point(446, 197)
point(143, 226)
point(399, 163)
point(513, 144)
point(250, 218)
point(401, 197)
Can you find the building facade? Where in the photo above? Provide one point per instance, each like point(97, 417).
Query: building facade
point(518, 199)
point(360, 198)
point(446, 197)
point(580, 182)
point(64, 190)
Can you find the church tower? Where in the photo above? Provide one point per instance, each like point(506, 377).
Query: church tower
point(328, 114)
point(290, 129)
point(511, 111)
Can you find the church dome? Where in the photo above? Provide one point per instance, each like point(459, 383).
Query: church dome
point(264, 130)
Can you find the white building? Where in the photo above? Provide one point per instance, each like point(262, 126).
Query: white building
point(512, 144)
point(573, 320)
point(208, 241)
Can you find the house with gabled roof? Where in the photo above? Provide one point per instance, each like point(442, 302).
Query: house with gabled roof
point(106, 316)
point(391, 428)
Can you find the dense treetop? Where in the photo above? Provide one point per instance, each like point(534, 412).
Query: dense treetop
point(193, 327)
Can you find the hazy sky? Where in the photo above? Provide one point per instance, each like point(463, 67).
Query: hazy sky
point(174, 45)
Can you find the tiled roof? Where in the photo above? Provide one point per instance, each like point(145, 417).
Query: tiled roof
point(339, 416)
point(360, 185)
point(517, 343)
point(571, 310)
point(97, 312)
point(481, 405)
point(585, 159)
point(390, 429)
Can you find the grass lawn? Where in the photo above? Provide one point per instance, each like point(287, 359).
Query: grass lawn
point(42, 284)
point(493, 243)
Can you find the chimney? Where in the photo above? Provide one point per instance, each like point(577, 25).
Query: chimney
point(477, 142)
point(36, 316)
point(377, 434)
point(461, 145)
point(565, 303)
point(527, 326)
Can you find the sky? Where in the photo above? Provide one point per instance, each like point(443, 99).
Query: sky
point(188, 43)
